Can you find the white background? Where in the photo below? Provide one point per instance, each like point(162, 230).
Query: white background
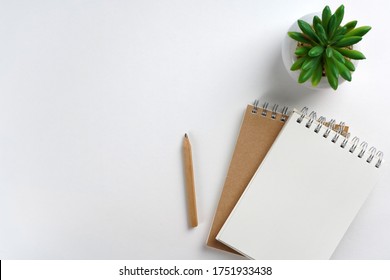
point(95, 98)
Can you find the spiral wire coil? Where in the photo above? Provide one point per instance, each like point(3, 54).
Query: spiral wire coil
point(339, 132)
point(274, 111)
point(330, 126)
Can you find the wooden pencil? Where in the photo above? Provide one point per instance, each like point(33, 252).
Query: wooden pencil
point(190, 182)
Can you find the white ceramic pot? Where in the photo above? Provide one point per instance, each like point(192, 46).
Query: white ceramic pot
point(288, 48)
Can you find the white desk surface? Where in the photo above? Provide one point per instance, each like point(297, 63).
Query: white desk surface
point(95, 98)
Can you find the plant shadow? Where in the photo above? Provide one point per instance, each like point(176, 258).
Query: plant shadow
point(281, 89)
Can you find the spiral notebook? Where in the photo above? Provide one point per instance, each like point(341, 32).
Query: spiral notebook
point(259, 129)
point(303, 211)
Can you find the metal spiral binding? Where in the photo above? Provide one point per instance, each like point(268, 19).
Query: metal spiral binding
point(312, 117)
point(380, 158)
point(372, 151)
point(255, 106)
point(284, 114)
point(345, 141)
point(321, 121)
point(265, 106)
point(355, 140)
point(338, 132)
point(303, 114)
point(330, 128)
point(274, 111)
point(363, 147)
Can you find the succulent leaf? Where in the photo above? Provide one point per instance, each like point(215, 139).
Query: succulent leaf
point(332, 25)
point(305, 75)
point(360, 31)
point(349, 65)
point(301, 51)
point(329, 52)
point(326, 14)
point(321, 33)
point(339, 15)
point(306, 29)
point(331, 67)
point(351, 53)
point(317, 75)
point(337, 55)
point(298, 64)
point(348, 41)
point(316, 51)
point(336, 39)
point(343, 70)
point(297, 36)
point(350, 25)
point(332, 80)
point(310, 62)
point(340, 31)
point(316, 19)
point(332, 73)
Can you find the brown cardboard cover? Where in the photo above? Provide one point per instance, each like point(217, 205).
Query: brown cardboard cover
point(256, 136)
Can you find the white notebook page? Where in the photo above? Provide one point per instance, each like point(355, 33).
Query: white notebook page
point(302, 198)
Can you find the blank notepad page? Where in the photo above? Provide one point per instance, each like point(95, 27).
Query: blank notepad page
point(304, 195)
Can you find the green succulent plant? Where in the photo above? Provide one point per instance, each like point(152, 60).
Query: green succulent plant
point(324, 48)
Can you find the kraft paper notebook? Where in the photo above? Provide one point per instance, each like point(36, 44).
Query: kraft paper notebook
point(304, 195)
point(259, 129)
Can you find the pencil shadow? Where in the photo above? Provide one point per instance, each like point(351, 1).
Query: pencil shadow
point(185, 195)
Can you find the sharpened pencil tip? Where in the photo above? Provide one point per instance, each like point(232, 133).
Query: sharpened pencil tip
point(185, 135)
